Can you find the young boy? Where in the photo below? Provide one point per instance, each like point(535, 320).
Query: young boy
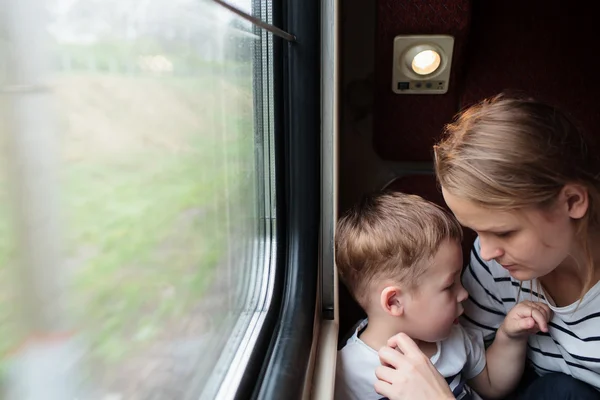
point(400, 257)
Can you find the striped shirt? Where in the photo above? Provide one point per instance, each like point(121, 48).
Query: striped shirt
point(572, 345)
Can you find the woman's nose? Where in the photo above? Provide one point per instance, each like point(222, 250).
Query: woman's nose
point(462, 294)
point(489, 250)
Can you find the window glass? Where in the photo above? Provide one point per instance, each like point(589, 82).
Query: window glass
point(158, 169)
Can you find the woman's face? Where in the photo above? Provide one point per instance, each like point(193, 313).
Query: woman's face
point(529, 243)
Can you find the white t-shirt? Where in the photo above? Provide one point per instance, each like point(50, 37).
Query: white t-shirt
point(572, 345)
point(458, 358)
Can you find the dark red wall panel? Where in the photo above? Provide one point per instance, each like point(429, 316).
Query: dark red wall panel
point(404, 126)
point(548, 49)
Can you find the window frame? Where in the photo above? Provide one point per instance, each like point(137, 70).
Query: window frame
point(298, 150)
point(261, 349)
point(240, 380)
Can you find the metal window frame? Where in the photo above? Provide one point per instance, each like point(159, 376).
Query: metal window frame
point(329, 153)
point(287, 362)
point(236, 378)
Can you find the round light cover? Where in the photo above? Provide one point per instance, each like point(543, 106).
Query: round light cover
point(426, 62)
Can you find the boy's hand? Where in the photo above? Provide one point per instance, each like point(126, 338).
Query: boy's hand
point(526, 318)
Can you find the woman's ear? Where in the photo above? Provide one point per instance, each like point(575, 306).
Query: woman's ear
point(576, 199)
point(392, 301)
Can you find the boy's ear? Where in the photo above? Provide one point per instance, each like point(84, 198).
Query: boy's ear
point(392, 301)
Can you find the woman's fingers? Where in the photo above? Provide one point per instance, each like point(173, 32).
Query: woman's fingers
point(405, 345)
point(385, 389)
point(410, 374)
point(385, 374)
point(391, 357)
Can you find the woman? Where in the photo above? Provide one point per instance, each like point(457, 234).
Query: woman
point(522, 176)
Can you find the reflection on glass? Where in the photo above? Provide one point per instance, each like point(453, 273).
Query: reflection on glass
point(160, 194)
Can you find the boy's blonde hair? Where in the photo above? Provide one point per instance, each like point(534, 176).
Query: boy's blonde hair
point(387, 235)
point(510, 153)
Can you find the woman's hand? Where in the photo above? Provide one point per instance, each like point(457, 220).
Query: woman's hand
point(406, 373)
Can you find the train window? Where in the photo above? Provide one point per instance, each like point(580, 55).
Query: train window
point(137, 214)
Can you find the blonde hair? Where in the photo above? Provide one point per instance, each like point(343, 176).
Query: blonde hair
point(386, 236)
point(510, 153)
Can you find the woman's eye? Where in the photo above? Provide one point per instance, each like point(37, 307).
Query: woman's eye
point(504, 234)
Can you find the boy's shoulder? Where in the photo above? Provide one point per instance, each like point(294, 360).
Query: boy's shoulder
point(355, 368)
point(355, 350)
point(462, 350)
point(463, 338)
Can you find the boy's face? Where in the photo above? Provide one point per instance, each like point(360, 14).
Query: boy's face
point(435, 305)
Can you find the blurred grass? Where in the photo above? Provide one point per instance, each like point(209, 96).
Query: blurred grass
point(122, 56)
point(146, 160)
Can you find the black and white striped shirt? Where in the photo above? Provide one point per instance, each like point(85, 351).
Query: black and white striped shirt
point(571, 346)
